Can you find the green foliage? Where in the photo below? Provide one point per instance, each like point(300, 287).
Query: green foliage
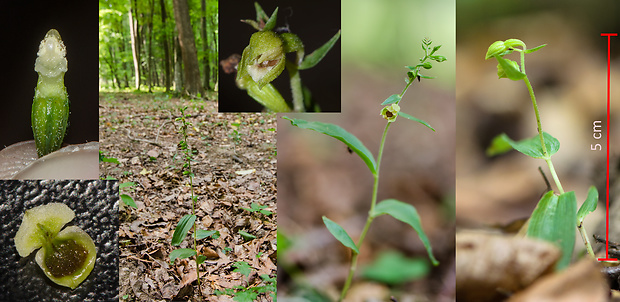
point(180, 232)
point(397, 209)
point(339, 233)
point(249, 294)
point(340, 134)
point(246, 235)
point(255, 207)
point(555, 216)
point(553, 220)
point(393, 268)
point(407, 214)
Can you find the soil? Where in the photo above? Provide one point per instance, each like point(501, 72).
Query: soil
point(234, 166)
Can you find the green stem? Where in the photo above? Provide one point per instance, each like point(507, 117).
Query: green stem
point(586, 240)
point(296, 90)
point(375, 189)
point(540, 130)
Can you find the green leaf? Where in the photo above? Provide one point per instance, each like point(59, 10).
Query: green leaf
point(127, 184)
point(201, 234)
point(394, 98)
point(589, 205)
point(531, 50)
point(246, 235)
point(393, 268)
point(340, 134)
point(245, 296)
point(181, 254)
point(243, 268)
point(510, 69)
point(407, 214)
point(128, 201)
point(339, 233)
point(201, 259)
point(553, 220)
point(415, 119)
point(316, 56)
point(499, 145)
point(182, 228)
point(530, 147)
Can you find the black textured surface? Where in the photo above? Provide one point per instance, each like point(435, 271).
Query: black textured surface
point(95, 204)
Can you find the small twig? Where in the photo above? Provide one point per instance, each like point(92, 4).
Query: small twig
point(545, 178)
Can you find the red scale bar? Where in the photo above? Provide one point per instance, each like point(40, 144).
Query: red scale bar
point(608, 35)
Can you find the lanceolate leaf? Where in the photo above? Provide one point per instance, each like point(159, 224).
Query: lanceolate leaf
point(589, 205)
point(530, 147)
point(394, 98)
point(407, 214)
point(415, 119)
point(128, 201)
point(181, 254)
point(340, 134)
point(553, 220)
point(201, 234)
point(182, 228)
point(316, 56)
point(340, 234)
point(509, 69)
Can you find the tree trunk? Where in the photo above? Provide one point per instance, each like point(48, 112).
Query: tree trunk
point(188, 48)
point(135, 43)
point(149, 59)
point(166, 46)
point(205, 45)
point(178, 67)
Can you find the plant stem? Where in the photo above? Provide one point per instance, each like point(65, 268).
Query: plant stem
point(540, 131)
point(584, 236)
point(298, 96)
point(375, 189)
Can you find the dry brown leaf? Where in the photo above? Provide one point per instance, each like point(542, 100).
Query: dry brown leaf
point(580, 282)
point(489, 267)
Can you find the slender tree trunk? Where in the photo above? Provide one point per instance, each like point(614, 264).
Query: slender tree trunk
point(135, 42)
point(166, 46)
point(178, 67)
point(205, 45)
point(188, 48)
point(149, 59)
point(213, 45)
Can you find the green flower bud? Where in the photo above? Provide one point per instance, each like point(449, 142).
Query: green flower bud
point(263, 60)
point(512, 43)
point(390, 112)
point(496, 48)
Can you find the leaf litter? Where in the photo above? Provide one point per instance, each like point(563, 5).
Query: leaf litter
point(235, 166)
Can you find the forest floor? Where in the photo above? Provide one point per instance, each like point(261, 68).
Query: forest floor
point(234, 167)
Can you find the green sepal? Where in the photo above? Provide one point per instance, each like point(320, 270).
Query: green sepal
point(553, 220)
point(262, 60)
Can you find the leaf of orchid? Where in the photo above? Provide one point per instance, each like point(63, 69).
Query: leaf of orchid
point(531, 50)
point(394, 98)
point(342, 135)
point(415, 119)
point(316, 56)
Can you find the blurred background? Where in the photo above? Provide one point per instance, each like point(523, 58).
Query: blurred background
point(317, 176)
point(569, 77)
